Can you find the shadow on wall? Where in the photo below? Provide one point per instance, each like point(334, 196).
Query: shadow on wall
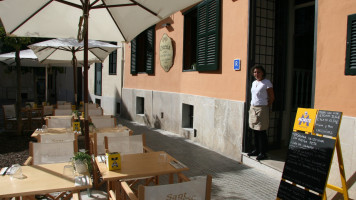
point(157, 122)
point(146, 120)
point(349, 184)
point(124, 112)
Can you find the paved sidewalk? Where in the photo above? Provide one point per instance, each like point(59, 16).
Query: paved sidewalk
point(231, 179)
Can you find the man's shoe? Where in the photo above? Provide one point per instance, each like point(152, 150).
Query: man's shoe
point(253, 153)
point(261, 156)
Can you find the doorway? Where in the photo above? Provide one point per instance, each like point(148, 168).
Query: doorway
point(281, 38)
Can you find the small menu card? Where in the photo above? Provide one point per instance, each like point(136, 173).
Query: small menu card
point(113, 161)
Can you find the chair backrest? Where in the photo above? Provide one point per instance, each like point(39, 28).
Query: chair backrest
point(43, 153)
point(9, 111)
point(125, 144)
point(95, 111)
point(60, 137)
point(64, 106)
point(92, 105)
point(59, 122)
point(104, 121)
point(59, 112)
point(47, 110)
point(61, 102)
point(200, 188)
point(99, 142)
point(31, 104)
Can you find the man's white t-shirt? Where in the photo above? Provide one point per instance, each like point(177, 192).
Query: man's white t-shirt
point(259, 92)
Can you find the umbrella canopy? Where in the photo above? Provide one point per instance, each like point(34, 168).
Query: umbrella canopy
point(28, 58)
point(60, 51)
point(64, 51)
point(108, 20)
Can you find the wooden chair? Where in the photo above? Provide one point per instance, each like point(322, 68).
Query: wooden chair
point(36, 118)
point(92, 105)
point(115, 143)
point(47, 111)
point(126, 144)
point(30, 104)
point(62, 137)
point(64, 106)
point(54, 152)
point(61, 112)
point(199, 188)
point(103, 121)
point(59, 121)
point(10, 119)
point(61, 102)
point(97, 145)
point(129, 145)
point(95, 111)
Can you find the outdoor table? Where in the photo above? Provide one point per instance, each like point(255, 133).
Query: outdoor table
point(110, 130)
point(39, 179)
point(32, 118)
point(37, 133)
point(134, 166)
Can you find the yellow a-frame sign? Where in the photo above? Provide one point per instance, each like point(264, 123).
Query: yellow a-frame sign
point(327, 124)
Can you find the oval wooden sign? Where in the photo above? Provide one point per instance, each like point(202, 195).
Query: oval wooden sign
point(166, 52)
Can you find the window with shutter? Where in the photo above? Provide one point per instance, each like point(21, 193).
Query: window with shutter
point(112, 63)
point(350, 65)
point(133, 57)
point(98, 78)
point(150, 53)
point(142, 52)
point(208, 35)
point(190, 40)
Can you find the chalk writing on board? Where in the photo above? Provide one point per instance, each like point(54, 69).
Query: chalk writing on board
point(308, 160)
point(327, 123)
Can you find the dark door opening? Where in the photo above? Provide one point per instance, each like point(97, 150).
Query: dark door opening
point(281, 38)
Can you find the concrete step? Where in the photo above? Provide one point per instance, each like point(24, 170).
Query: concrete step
point(271, 167)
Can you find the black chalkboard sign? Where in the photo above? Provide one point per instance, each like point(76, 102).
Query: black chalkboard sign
point(291, 192)
point(327, 123)
point(308, 160)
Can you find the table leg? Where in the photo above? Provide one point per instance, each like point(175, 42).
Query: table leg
point(157, 180)
point(117, 190)
point(171, 178)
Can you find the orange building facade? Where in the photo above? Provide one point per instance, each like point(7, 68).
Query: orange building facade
point(301, 43)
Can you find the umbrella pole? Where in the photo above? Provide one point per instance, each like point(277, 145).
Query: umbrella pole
point(74, 61)
point(46, 84)
point(86, 122)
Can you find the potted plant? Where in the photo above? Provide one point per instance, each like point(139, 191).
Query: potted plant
point(82, 162)
point(92, 127)
point(76, 114)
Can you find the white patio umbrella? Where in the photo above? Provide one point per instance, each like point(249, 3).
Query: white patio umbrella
point(28, 58)
point(71, 51)
point(108, 20)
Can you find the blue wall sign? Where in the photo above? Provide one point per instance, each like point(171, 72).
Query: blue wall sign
point(237, 64)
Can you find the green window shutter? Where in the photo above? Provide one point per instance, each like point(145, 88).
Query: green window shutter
point(150, 50)
point(208, 35)
point(350, 65)
point(133, 57)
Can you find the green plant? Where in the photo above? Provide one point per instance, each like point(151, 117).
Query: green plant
point(76, 113)
point(84, 157)
point(92, 124)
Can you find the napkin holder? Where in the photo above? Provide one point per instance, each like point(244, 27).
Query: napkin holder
point(113, 161)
